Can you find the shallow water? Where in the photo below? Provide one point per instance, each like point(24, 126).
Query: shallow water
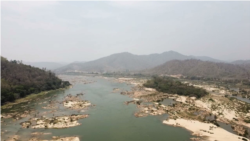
point(110, 119)
point(168, 102)
point(247, 100)
point(226, 127)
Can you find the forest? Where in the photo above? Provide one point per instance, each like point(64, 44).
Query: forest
point(169, 85)
point(19, 80)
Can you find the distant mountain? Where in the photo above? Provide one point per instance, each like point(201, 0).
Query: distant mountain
point(205, 58)
point(193, 67)
point(126, 62)
point(70, 67)
point(47, 65)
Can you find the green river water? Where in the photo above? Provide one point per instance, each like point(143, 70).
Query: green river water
point(109, 120)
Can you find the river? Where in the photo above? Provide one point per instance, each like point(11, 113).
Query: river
point(110, 119)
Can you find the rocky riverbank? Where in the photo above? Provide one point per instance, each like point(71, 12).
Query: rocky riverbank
point(206, 110)
point(54, 122)
point(75, 102)
point(46, 118)
point(71, 102)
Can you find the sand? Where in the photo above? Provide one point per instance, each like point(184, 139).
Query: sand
point(204, 129)
point(58, 139)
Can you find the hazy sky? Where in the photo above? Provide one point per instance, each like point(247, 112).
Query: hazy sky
point(84, 31)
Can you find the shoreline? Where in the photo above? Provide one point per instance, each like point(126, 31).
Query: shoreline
point(204, 130)
point(29, 98)
point(217, 107)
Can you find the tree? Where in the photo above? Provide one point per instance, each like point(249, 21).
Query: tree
point(19, 80)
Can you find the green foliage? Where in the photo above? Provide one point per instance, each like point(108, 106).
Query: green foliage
point(169, 85)
point(19, 80)
point(3, 58)
point(232, 98)
point(247, 121)
point(210, 99)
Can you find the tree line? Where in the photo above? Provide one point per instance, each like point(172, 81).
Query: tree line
point(169, 85)
point(19, 80)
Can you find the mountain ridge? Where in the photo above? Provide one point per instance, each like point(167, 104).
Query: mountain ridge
point(198, 68)
point(47, 65)
point(126, 61)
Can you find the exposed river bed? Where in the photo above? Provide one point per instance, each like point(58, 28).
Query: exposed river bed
point(110, 119)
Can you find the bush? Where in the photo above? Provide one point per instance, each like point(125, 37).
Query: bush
point(247, 121)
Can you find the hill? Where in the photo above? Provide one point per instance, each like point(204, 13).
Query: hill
point(47, 65)
point(126, 62)
point(241, 62)
point(198, 68)
point(19, 80)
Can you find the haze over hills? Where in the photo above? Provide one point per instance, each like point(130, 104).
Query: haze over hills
point(241, 62)
point(47, 65)
point(200, 68)
point(128, 62)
